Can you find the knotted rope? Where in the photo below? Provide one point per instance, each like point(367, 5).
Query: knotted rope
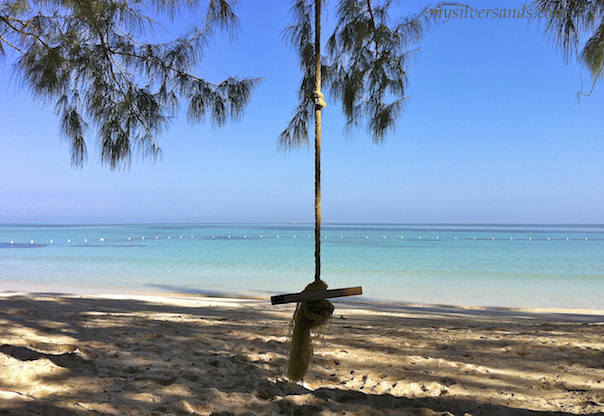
point(314, 314)
point(308, 316)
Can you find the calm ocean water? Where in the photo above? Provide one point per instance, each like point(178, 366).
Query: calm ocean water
point(537, 266)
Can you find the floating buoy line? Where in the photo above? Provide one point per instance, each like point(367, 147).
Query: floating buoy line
point(55, 241)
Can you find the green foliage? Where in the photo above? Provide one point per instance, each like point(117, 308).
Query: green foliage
point(568, 22)
point(365, 66)
point(88, 57)
point(300, 35)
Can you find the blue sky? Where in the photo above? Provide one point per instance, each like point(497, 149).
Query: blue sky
point(492, 133)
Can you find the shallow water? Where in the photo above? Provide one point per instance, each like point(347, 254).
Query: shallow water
point(531, 266)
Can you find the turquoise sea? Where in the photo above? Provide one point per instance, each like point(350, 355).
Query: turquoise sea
point(529, 266)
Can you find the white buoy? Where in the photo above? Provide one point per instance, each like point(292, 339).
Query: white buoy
point(215, 236)
point(474, 238)
point(384, 236)
point(245, 236)
point(229, 236)
point(419, 238)
point(437, 238)
point(511, 238)
point(366, 236)
point(102, 239)
point(191, 236)
point(548, 238)
point(144, 238)
point(586, 239)
point(492, 238)
point(567, 239)
point(168, 237)
point(401, 236)
point(32, 241)
point(156, 237)
point(456, 238)
point(341, 236)
point(51, 241)
point(530, 238)
point(294, 236)
point(129, 238)
point(181, 236)
point(277, 236)
point(260, 236)
point(85, 240)
point(12, 242)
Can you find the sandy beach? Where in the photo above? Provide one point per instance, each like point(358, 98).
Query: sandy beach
point(129, 355)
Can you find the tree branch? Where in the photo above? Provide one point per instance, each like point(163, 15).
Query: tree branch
point(375, 42)
point(11, 45)
point(23, 32)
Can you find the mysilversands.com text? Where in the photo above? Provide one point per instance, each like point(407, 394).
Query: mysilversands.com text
point(466, 12)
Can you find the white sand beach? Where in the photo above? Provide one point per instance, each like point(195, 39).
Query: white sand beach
point(126, 355)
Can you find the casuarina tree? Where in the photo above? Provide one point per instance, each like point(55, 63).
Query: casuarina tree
point(577, 28)
point(90, 59)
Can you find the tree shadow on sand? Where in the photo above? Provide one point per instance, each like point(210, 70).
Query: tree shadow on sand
point(76, 356)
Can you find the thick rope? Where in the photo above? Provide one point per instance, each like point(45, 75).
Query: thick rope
point(308, 316)
point(311, 315)
point(319, 105)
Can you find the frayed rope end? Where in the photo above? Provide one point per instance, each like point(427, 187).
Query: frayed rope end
point(308, 316)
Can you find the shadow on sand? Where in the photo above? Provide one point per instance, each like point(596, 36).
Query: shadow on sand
point(64, 355)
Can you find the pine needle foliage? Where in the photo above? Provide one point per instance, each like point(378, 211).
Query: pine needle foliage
point(567, 23)
point(365, 66)
point(90, 58)
point(300, 36)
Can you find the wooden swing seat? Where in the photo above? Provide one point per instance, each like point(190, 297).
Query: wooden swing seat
point(312, 295)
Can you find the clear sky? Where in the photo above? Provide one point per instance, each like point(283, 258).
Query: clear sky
point(492, 133)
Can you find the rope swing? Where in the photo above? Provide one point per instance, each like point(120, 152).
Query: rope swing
point(313, 309)
point(308, 316)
